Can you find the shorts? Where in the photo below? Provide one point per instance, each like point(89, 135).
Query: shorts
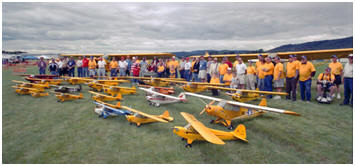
point(241, 79)
point(279, 83)
point(327, 85)
point(337, 80)
point(202, 74)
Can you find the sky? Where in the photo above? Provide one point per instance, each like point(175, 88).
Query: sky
point(105, 28)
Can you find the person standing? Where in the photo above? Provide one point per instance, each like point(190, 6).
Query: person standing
point(92, 67)
point(209, 74)
point(222, 68)
point(241, 70)
point(337, 69)
point(214, 80)
point(261, 76)
point(122, 64)
point(257, 65)
point(195, 70)
point(175, 65)
point(60, 66)
point(85, 67)
point(129, 64)
point(251, 74)
point(182, 68)
point(212, 68)
point(227, 78)
point(113, 67)
point(101, 68)
point(161, 70)
point(71, 67)
point(348, 82)
point(307, 71)
point(53, 67)
point(154, 64)
point(79, 65)
point(135, 69)
point(42, 66)
point(143, 67)
point(292, 72)
point(202, 69)
point(279, 76)
point(187, 69)
point(268, 68)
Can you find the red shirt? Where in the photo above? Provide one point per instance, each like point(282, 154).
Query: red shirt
point(229, 64)
point(135, 69)
point(85, 62)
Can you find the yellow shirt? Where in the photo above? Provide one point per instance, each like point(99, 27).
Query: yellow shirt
point(306, 70)
point(298, 63)
point(329, 77)
point(113, 64)
point(279, 68)
point(257, 64)
point(291, 68)
point(223, 68)
point(92, 64)
point(161, 69)
point(214, 80)
point(336, 68)
point(174, 63)
point(235, 63)
point(270, 67)
point(251, 70)
point(261, 73)
point(227, 78)
point(192, 66)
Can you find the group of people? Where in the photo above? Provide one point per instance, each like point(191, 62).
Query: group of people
point(268, 73)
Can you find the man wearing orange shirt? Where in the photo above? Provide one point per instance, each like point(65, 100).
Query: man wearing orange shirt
point(306, 72)
point(227, 78)
point(92, 67)
point(251, 72)
point(113, 67)
point(337, 69)
point(268, 68)
point(328, 79)
point(279, 76)
point(292, 72)
point(222, 70)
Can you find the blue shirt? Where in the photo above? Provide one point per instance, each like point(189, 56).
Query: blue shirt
point(129, 63)
point(203, 65)
point(71, 63)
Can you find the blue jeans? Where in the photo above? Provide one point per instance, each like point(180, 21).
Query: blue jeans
point(268, 84)
point(101, 73)
point(261, 84)
point(53, 72)
point(71, 72)
point(182, 72)
point(42, 70)
point(208, 77)
point(80, 72)
point(160, 74)
point(113, 73)
point(348, 91)
point(122, 72)
point(305, 89)
point(85, 72)
point(221, 79)
point(187, 75)
point(195, 77)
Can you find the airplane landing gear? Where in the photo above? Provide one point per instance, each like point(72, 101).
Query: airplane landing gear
point(188, 145)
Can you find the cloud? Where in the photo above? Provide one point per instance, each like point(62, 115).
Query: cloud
point(166, 27)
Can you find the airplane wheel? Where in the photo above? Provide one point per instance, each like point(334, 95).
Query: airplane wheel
point(138, 125)
point(212, 121)
point(230, 127)
point(157, 104)
point(188, 146)
point(182, 139)
point(58, 100)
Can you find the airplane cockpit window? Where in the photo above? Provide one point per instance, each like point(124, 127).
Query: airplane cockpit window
point(139, 115)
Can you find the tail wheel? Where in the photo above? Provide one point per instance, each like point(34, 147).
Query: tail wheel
point(212, 121)
point(230, 127)
point(188, 146)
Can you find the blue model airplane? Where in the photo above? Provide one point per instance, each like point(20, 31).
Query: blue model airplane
point(105, 110)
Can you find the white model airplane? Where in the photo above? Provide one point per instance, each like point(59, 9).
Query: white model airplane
point(156, 98)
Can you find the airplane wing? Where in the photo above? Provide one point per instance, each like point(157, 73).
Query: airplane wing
point(160, 94)
point(144, 114)
point(94, 93)
point(246, 105)
point(248, 91)
point(20, 82)
point(109, 107)
point(202, 129)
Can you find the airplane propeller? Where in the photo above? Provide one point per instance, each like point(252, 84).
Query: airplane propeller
point(207, 105)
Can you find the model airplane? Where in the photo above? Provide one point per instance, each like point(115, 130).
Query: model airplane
point(195, 87)
point(66, 96)
point(66, 89)
point(40, 76)
point(43, 81)
point(110, 82)
point(163, 90)
point(244, 95)
point(95, 86)
point(156, 98)
point(226, 111)
point(31, 85)
point(32, 91)
point(102, 97)
point(195, 130)
point(118, 90)
point(76, 80)
point(105, 110)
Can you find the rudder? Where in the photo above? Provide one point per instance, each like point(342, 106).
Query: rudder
point(263, 102)
point(240, 132)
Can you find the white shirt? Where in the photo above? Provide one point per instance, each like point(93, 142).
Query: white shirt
point(79, 63)
point(348, 70)
point(60, 64)
point(213, 68)
point(240, 68)
point(182, 65)
point(122, 64)
point(101, 64)
point(187, 65)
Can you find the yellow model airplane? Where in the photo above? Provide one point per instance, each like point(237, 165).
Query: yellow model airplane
point(163, 90)
point(195, 130)
point(244, 95)
point(76, 80)
point(153, 81)
point(44, 81)
point(31, 85)
point(226, 111)
point(195, 87)
point(118, 90)
point(111, 82)
point(102, 97)
point(32, 91)
point(66, 96)
point(95, 86)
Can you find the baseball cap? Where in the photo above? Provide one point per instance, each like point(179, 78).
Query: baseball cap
point(260, 55)
point(304, 57)
point(291, 56)
point(334, 56)
point(350, 56)
point(229, 68)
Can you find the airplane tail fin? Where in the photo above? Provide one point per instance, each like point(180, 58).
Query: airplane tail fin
point(119, 96)
point(182, 96)
point(166, 116)
point(240, 132)
point(118, 104)
point(81, 95)
point(263, 102)
point(46, 84)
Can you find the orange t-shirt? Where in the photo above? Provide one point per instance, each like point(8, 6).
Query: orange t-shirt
point(306, 71)
point(214, 80)
point(279, 68)
point(251, 70)
point(291, 68)
point(270, 67)
point(113, 64)
point(227, 78)
point(223, 68)
point(336, 68)
point(92, 64)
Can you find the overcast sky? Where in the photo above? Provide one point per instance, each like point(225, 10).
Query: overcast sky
point(167, 27)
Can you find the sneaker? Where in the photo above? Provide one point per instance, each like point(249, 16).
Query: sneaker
point(333, 95)
point(308, 102)
point(329, 98)
point(319, 98)
point(338, 96)
point(276, 97)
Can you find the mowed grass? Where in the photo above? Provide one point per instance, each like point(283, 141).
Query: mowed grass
point(41, 130)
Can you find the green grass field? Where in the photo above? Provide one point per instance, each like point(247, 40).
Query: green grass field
point(41, 130)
